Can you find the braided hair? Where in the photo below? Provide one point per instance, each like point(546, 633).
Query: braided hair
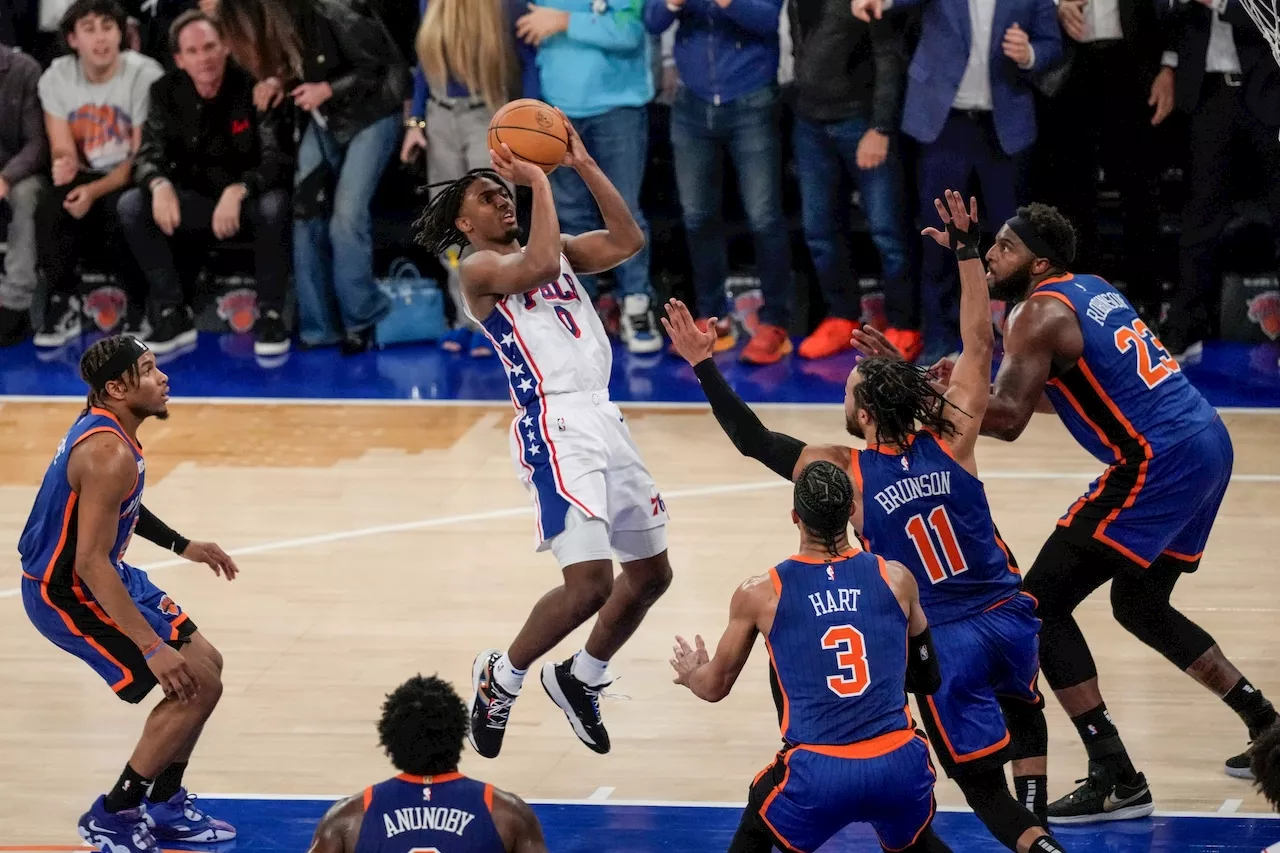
point(436, 229)
point(823, 500)
point(897, 394)
point(94, 358)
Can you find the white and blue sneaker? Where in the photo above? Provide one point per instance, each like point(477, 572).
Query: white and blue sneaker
point(180, 819)
point(117, 832)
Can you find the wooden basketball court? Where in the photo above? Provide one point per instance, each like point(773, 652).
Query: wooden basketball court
point(377, 541)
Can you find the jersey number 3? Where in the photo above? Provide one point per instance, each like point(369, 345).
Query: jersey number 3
point(1155, 365)
point(851, 656)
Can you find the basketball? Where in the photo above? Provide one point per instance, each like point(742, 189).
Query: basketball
point(532, 130)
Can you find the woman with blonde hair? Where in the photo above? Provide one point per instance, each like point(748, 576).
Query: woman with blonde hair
point(469, 66)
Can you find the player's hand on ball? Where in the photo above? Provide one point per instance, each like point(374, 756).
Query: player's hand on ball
point(512, 168)
point(173, 673)
point(693, 344)
point(575, 153)
point(870, 342)
point(212, 556)
point(687, 659)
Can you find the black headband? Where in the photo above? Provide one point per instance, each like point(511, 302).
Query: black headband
point(1027, 234)
point(115, 366)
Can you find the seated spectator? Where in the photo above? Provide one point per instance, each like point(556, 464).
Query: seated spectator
point(593, 63)
point(727, 105)
point(341, 67)
point(849, 82)
point(453, 102)
point(214, 168)
point(95, 102)
point(24, 156)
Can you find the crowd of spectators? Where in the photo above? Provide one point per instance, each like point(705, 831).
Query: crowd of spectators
point(180, 123)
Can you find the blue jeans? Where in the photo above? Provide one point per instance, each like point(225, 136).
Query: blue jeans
point(826, 158)
point(333, 258)
point(619, 142)
point(747, 130)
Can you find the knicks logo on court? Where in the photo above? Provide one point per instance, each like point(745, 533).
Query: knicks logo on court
point(1264, 309)
point(168, 607)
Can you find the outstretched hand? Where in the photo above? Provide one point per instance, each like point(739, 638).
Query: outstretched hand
point(694, 344)
point(687, 660)
point(960, 225)
point(512, 168)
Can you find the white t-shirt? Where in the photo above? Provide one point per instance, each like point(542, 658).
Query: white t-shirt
point(102, 115)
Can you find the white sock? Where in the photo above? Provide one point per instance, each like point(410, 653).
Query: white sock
point(507, 676)
point(587, 669)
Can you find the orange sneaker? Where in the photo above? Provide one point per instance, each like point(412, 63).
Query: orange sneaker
point(832, 336)
point(726, 336)
point(908, 341)
point(768, 345)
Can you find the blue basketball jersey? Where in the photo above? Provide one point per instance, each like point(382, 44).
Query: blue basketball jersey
point(447, 814)
point(838, 647)
point(922, 509)
point(1126, 397)
point(48, 544)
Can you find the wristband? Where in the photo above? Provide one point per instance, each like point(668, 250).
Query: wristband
point(968, 253)
point(964, 243)
point(150, 650)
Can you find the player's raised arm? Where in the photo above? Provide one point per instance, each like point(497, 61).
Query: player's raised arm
point(970, 381)
point(780, 453)
point(339, 829)
point(711, 679)
point(1031, 339)
point(517, 824)
point(621, 237)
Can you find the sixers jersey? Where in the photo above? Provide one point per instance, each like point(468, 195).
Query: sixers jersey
point(550, 340)
point(838, 650)
point(922, 509)
point(429, 814)
point(48, 543)
point(1126, 397)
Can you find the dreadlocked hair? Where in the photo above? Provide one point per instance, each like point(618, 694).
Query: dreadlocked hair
point(93, 360)
point(897, 394)
point(824, 500)
point(436, 229)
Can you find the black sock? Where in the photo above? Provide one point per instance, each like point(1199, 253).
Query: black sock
point(1033, 793)
point(1102, 743)
point(167, 783)
point(1248, 701)
point(1045, 844)
point(128, 792)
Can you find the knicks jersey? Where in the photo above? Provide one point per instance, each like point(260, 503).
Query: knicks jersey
point(922, 509)
point(48, 543)
point(432, 814)
point(838, 647)
point(1126, 397)
point(550, 340)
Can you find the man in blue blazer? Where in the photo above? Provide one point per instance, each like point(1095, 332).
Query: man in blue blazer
point(970, 105)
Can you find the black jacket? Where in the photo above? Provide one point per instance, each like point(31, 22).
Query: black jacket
point(208, 145)
point(347, 45)
point(23, 148)
point(844, 67)
point(1191, 23)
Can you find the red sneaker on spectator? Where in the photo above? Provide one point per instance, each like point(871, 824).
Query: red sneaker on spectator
point(832, 336)
point(908, 341)
point(768, 345)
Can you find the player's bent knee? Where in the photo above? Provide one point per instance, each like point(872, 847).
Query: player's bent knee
point(1028, 730)
point(650, 577)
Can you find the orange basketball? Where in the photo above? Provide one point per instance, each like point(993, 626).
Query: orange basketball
point(532, 130)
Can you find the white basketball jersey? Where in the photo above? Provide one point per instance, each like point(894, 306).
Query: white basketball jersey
point(550, 340)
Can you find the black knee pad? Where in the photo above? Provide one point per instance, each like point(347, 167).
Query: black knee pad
point(1028, 730)
point(988, 795)
point(1140, 603)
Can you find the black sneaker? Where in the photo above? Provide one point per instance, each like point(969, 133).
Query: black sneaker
point(271, 337)
point(15, 326)
point(61, 323)
point(136, 322)
point(1101, 798)
point(490, 706)
point(174, 328)
point(1240, 766)
point(580, 703)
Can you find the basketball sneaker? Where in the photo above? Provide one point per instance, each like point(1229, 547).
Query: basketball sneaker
point(580, 703)
point(1102, 798)
point(1240, 766)
point(490, 706)
point(117, 832)
point(180, 819)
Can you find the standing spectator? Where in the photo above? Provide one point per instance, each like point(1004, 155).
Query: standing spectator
point(468, 66)
point(339, 64)
point(24, 156)
point(726, 56)
point(970, 104)
point(95, 103)
point(210, 167)
point(849, 82)
point(1102, 117)
point(593, 63)
point(1222, 74)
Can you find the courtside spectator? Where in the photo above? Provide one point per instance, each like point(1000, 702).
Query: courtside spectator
point(24, 157)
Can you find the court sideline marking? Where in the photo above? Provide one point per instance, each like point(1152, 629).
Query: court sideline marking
point(700, 491)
